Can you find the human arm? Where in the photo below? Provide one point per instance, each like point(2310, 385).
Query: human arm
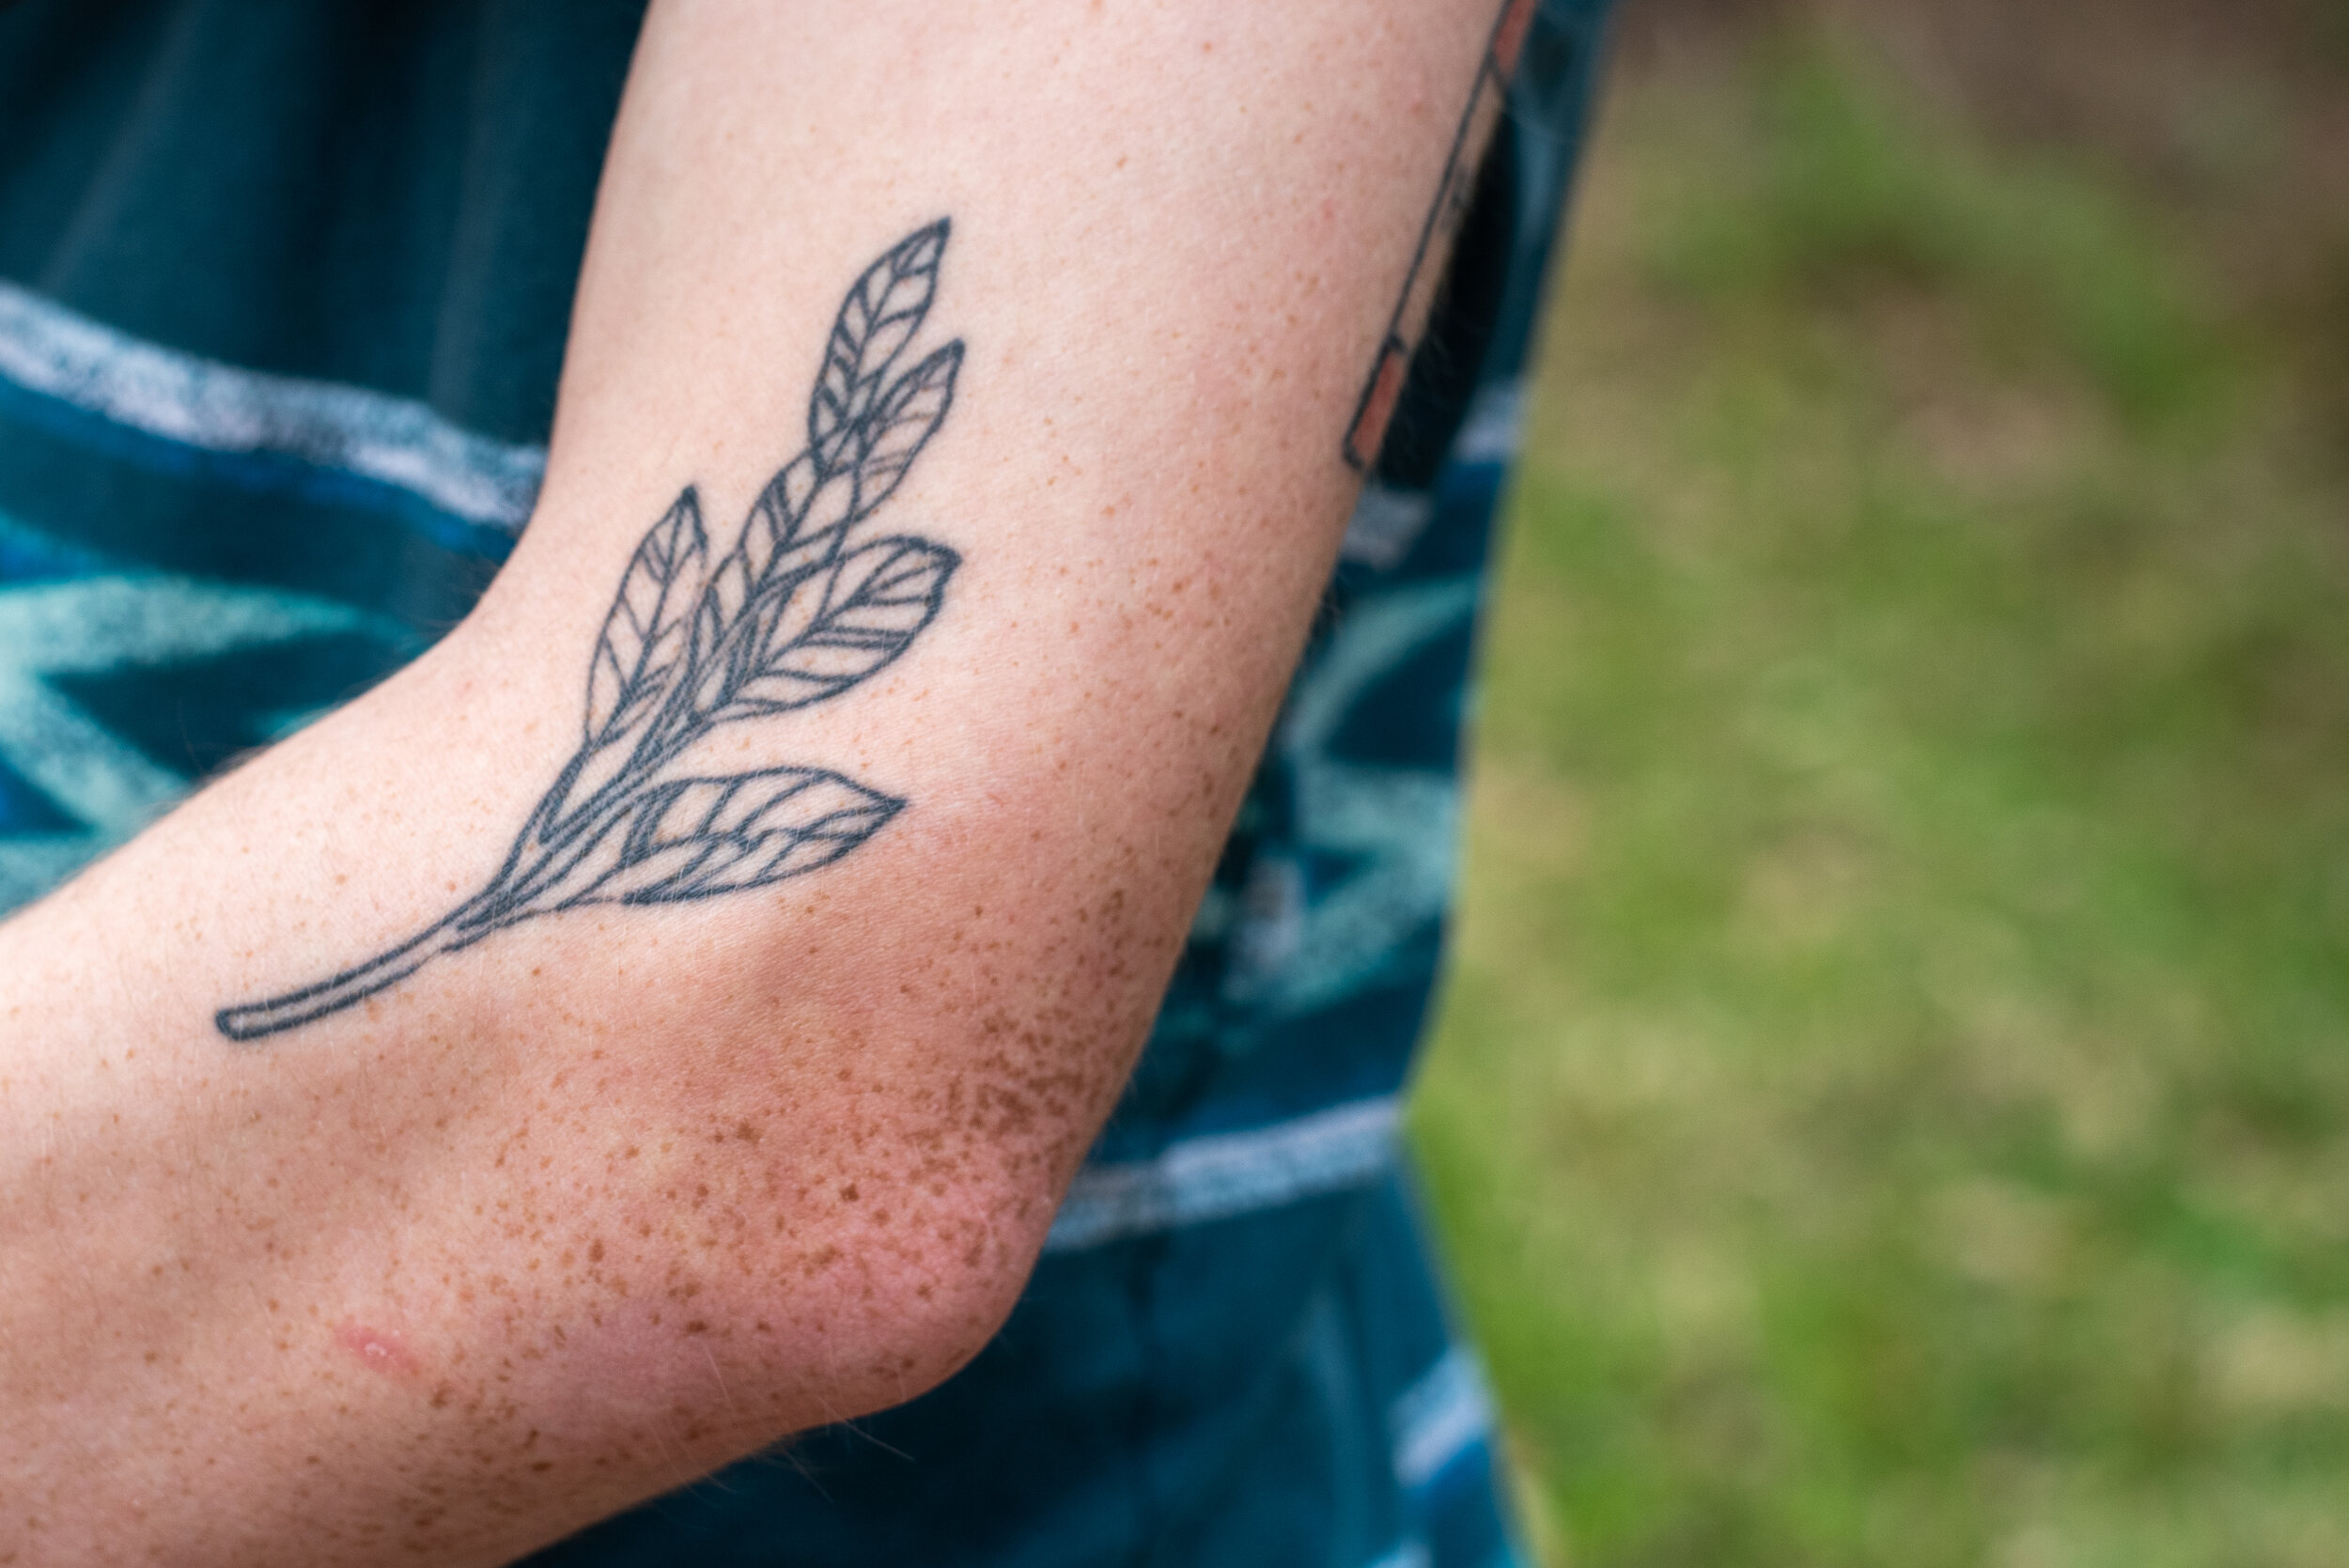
point(580, 1210)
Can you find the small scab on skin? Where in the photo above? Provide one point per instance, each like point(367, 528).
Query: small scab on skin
point(377, 1349)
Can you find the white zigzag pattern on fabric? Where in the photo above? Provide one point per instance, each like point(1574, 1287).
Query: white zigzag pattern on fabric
point(1445, 1414)
point(1440, 1417)
point(1409, 1554)
point(1221, 1175)
point(1399, 824)
point(57, 353)
point(92, 625)
point(1490, 434)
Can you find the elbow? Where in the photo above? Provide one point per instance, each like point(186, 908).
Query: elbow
point(851, 1198)
point(849, 1247)
point(807, 1181)
point(898, 1289)
point(831, 1316)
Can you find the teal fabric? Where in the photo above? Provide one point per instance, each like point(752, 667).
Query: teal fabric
point(391, 193)
point(283, 289)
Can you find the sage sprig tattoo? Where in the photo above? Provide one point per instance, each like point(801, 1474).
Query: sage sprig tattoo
point(804, 607)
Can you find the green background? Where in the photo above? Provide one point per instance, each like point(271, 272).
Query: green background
point(1891, 1104)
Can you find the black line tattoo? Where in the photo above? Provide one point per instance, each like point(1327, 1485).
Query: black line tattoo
point(801, 609)
point(1375, 407)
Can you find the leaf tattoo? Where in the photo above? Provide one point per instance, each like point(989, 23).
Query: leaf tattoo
point(801, 609)
point(643, 637)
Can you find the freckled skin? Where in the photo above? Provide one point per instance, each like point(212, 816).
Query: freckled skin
point(807, 1181)
point(577, 1215)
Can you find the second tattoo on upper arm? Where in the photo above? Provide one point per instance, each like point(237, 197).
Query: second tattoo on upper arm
point(807, 604)
point(1382, 390)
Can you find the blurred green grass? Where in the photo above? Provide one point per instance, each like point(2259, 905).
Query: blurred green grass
point(1891, 1104)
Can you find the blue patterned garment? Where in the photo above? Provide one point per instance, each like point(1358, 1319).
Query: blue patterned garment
point(282, 296)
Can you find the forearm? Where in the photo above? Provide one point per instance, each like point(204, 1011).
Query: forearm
point(630, 1179)
point(575, 1217)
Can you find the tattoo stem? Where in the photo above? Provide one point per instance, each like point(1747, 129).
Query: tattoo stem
point(386, 969)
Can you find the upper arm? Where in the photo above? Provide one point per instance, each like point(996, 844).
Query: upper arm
point(1156, 250)
point(793, 879)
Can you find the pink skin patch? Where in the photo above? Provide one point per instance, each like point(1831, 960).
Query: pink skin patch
point(377, 1349)
point(1378, 400)
point(1510, 37)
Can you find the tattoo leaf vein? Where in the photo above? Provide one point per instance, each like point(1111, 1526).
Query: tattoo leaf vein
point(804, 607)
